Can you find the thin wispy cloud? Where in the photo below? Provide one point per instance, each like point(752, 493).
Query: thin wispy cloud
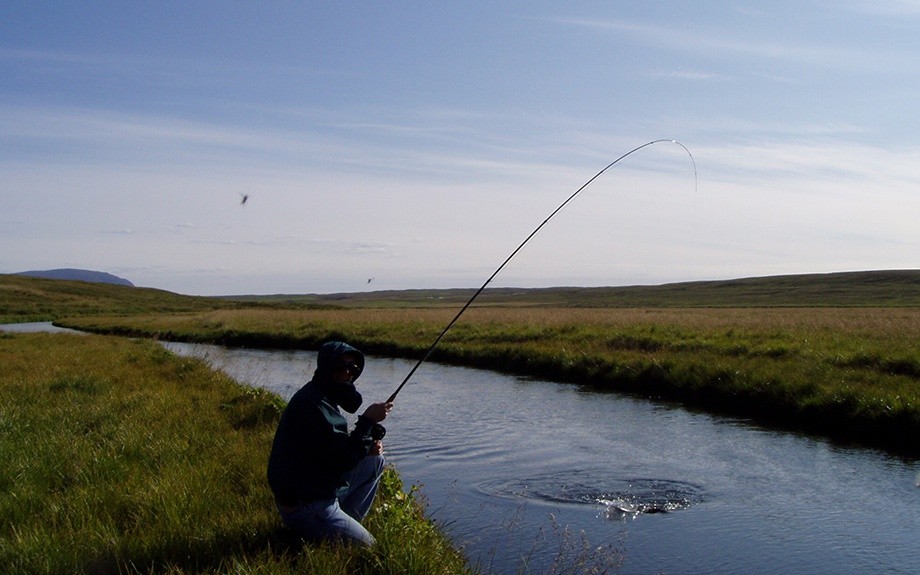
point(714, 44)
point(32, 56)
point(119, 128)
point(686, 75)
point(901, 8)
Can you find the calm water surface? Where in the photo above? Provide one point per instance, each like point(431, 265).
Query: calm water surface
point(35, 327)
point(516, 469)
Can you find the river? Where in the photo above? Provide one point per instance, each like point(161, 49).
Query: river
point(519, 470)
point(522, 472)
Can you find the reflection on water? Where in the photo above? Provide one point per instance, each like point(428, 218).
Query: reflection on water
point(517, 471)
point(35, 327)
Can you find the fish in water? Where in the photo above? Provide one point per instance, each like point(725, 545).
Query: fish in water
point(618, 508)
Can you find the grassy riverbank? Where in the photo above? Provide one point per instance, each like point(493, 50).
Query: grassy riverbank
point(851, 373)
point(833, 354)
point(118, 457)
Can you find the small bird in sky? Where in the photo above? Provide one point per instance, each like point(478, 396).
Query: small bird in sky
point(243, 198)
point(369, 280)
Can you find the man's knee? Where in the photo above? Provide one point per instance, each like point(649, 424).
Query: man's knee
point(379, 463)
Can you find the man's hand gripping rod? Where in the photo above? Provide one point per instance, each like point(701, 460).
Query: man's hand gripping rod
point(516, 250)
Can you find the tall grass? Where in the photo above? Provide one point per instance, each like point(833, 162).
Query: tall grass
point(118, 457)
point(845, 371)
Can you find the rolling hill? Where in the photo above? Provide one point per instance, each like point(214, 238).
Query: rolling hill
point(843, 289)
point(78, 275)
point(24, 298)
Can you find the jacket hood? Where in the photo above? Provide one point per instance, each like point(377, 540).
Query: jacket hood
point(329, 353)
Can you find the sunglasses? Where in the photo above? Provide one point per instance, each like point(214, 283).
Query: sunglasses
point(347, 366)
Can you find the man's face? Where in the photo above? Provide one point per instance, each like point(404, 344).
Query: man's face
point(345, 369)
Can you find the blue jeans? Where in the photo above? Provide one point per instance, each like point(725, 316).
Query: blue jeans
point(334, 518)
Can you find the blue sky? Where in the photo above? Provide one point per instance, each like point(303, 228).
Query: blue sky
point(418, 143)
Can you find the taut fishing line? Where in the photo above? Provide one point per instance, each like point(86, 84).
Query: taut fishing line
point(527, 239)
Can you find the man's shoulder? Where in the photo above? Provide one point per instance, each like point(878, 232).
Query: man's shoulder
point(310, 398)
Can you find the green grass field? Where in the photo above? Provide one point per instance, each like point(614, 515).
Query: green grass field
point(118, 457)
point(896, 288)
point(32, 299)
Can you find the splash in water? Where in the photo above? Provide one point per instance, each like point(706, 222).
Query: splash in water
point(619, 498)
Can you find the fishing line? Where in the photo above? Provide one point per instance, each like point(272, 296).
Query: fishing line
point(527, 239)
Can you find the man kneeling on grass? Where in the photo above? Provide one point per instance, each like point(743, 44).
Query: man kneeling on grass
point(323, 477)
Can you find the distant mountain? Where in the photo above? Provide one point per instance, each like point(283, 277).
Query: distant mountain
point(78, 275)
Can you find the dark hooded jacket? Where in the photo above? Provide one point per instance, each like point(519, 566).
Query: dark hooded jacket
point(313, 450)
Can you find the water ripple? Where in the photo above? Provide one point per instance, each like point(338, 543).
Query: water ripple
point(617, 497)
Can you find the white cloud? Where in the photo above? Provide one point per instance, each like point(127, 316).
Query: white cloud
point(887, 8)
point(686, 75)
point(716, 44)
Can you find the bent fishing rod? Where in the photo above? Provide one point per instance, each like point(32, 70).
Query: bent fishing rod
point(437, 340)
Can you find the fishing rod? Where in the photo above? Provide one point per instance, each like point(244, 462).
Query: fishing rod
point(517, 249)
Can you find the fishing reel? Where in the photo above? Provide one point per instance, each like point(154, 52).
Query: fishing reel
point(378, 432)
